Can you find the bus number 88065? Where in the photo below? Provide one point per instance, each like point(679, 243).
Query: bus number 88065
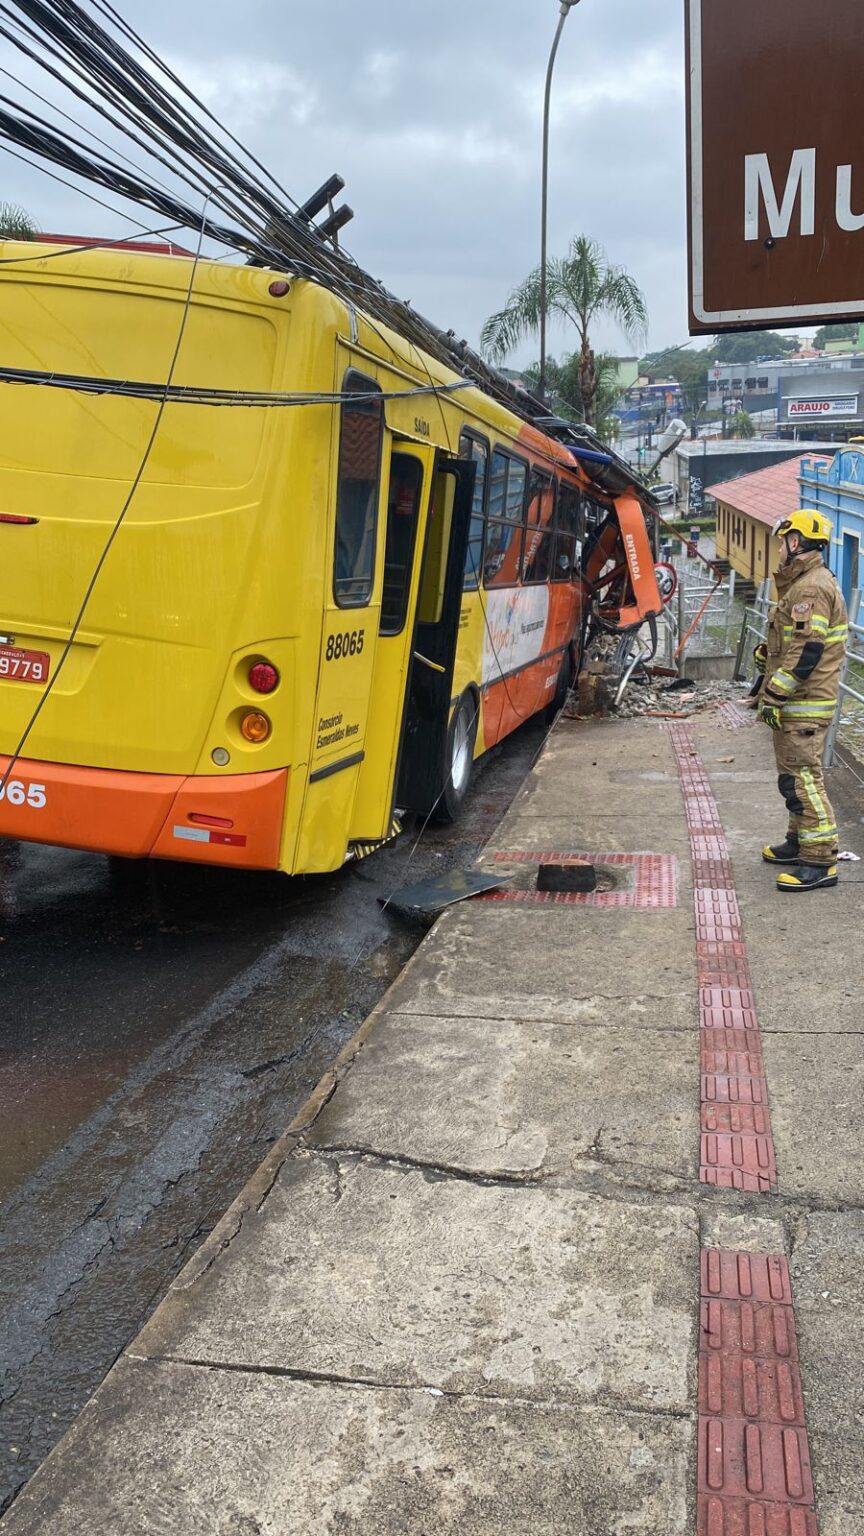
point(350, 644)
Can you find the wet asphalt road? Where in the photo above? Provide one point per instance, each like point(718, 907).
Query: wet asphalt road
point(160, 1028)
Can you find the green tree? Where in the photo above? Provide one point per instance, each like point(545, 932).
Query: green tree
point(741, 425)
point(581, 288)
point(828, 333)
point(687, 368)
point(563, 385)
point(16, 223)
point(732, 348)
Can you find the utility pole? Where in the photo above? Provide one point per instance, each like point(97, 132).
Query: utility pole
point(566, 7)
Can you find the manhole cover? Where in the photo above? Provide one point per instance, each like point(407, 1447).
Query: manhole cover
point(576, 876)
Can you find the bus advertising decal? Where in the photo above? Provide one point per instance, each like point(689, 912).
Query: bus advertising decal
point(516, 619)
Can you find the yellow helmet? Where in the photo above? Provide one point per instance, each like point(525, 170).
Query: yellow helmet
point(813, 526)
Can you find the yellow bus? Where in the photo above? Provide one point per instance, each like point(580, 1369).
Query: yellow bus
point(342, 577)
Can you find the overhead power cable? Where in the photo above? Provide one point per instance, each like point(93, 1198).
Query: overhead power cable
point(190, 394)
point(171, 150)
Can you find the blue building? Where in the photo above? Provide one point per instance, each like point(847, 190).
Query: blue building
point(836, 487)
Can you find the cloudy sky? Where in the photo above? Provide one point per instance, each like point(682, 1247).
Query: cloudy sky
point(432, 113)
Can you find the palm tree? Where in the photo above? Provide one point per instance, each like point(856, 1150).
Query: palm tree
point(16, 223)
point(742, 424)
point(581, 287)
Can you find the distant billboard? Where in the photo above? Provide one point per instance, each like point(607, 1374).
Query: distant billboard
point(845, 407)
point(776, 198)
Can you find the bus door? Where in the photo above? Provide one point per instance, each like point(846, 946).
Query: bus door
point(436, 632)
point(349, 629)
point(408, 491)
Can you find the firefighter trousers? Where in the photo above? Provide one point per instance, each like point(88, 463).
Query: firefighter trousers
point(798, 749)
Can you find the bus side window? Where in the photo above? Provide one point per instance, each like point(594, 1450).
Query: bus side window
point(475, 449)
point(403, 507)
point(539, 534)
point(503, 554)
point(568, 533)
point(431, 601)
point(357, 492)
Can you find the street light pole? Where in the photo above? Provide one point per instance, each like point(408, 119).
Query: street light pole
point(566, 7)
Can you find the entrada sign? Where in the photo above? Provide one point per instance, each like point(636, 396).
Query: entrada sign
point(776, 173)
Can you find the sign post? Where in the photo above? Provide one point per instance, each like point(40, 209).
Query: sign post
point(775, 163)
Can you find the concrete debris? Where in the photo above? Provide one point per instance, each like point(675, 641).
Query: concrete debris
point(647, 697)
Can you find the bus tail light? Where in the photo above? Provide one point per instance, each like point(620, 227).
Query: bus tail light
point(255, 726)
point(263, 677)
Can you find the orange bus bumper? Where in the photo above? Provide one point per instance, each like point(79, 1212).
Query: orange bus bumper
point(234, 820)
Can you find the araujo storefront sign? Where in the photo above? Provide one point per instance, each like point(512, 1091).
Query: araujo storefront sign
point(775, 162)
point(845, 406)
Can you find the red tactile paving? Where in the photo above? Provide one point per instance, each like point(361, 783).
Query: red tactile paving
point(655, 880)
point(737, 1178)
point(711, 863)
point(739, 1276)
point(753, 1465)
point(718, 975)
point(737, 1145)
point(573, 898)
point(739, 1458)
point(733, 1517)
point(736, 1387)
point(746, 1154)
point(736, 1118)
point(761, 1330)
point(727, 1008)
point(730, 1064)
point(725, 1037)
point(729, 1088)
point(727, 953)
point(717, 914)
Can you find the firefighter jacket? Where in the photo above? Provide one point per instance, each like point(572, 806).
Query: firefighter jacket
point(807, 636)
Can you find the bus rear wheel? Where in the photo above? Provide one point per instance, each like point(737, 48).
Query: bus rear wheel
point(458, 760)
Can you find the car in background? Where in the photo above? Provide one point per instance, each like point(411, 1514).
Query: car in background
point(666, 494)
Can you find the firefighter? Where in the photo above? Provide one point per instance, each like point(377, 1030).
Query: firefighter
point(801, 665)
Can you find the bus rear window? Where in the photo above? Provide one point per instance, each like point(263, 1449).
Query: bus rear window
point(357, 492)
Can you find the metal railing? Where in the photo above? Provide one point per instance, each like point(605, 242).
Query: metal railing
point(854, 658)
point(716, 623)
point(754, 627)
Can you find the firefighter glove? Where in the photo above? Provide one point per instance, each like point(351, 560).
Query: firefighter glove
point(760, 656)
point(769, 714)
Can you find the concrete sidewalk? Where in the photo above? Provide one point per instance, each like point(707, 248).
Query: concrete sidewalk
point(462, 1295)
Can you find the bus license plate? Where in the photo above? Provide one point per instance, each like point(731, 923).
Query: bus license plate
point(24, 666)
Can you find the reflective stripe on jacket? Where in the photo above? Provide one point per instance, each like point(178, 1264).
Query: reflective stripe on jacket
point(807, 636)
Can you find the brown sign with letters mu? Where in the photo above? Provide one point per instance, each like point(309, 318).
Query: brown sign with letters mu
point(776, 162)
